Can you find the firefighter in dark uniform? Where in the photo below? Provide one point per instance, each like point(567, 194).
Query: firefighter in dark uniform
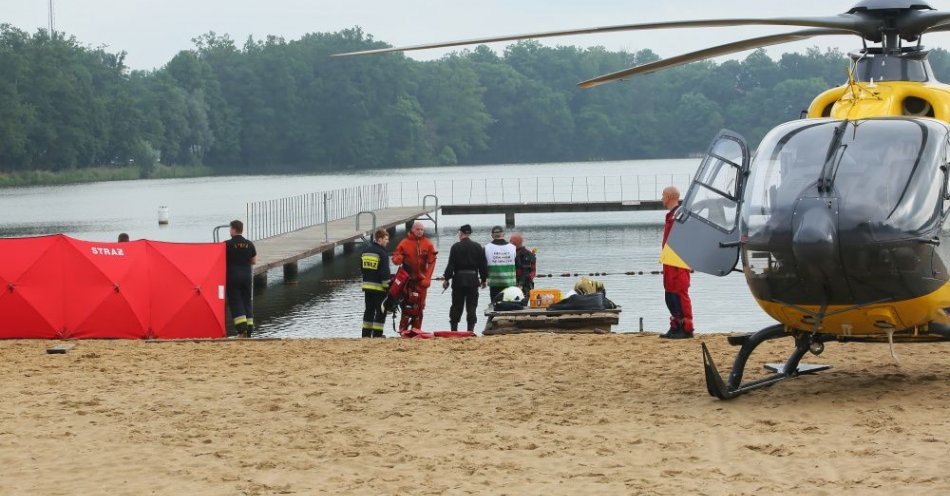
point(467, 270)
point(375, 266)
point(241, 255)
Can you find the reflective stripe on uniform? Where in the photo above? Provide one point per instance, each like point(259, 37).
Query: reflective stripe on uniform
point(501, 275)
point(378, 326)
point(240, 320)
point(373, 286)
point(250, 321)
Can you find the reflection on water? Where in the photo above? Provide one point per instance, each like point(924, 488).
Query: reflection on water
point(614, 243)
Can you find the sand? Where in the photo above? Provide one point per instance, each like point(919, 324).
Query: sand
point(536, 414)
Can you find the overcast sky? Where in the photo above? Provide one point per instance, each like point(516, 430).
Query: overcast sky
point(153, 31)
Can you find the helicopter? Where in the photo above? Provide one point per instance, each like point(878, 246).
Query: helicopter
point(836, 216)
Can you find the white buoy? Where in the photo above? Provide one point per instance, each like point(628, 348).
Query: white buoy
point(162, 215)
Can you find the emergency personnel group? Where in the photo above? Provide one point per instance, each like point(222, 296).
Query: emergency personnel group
point(499, 265)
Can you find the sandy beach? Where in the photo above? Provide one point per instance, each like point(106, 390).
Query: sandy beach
point(535, 414)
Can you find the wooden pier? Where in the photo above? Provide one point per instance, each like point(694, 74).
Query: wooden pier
point(285, 250)
point(510, 209)
point(287, 230)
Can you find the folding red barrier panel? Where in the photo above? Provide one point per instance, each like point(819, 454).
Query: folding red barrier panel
point(60, 287)
point(31, 299)
point(187, 286)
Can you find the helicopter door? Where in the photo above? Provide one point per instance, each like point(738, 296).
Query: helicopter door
point(705, 235)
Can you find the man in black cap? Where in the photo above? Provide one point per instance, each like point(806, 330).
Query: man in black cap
point(467, 270)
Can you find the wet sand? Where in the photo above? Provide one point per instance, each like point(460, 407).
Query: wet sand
point(537, 414)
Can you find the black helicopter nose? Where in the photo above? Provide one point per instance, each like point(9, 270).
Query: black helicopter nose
point(814, 242)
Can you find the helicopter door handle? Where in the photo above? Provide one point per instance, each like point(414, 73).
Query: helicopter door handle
point(929, 241)
point(730, 244)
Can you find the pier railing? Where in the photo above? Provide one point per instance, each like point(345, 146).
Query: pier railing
point(269, 218)
point(537, 189)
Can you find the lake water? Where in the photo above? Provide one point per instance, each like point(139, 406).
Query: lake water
point(327, 302)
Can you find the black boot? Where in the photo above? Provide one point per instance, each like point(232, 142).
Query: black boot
point(377, 333)
point(454, 326)
point(367, 333)
point(241, 329)
point(674, 329)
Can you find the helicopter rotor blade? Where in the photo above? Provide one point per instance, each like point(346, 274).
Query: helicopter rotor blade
point(916, 23)
point(853, 23)
point(726, 49)
point(939, 29)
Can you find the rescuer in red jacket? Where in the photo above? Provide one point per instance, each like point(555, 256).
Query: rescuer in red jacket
point(676, 279)
point(418, 254)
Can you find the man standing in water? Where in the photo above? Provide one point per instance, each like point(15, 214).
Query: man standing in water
point(467, 270)
point(241, 255)
point(676, 279)
point(417, 254)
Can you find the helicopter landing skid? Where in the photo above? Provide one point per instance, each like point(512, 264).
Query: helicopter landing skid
point(790, 369)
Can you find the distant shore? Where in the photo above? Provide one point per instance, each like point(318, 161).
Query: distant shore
point(531, 414)
point(97, 174)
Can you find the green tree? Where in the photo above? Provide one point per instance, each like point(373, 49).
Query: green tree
point(451, 97)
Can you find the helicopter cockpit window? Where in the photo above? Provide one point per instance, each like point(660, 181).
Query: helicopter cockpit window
point(786, 167)
point(715, 199)
point(889, 178)
point(885, 172)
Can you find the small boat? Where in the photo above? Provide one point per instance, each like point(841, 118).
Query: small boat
point(597, 321)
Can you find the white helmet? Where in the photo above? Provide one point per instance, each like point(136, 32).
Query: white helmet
point(512, 294)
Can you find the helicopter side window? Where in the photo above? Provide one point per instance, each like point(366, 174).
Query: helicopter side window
point(716, 198)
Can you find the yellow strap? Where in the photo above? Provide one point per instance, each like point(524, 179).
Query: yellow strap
point(670, 257)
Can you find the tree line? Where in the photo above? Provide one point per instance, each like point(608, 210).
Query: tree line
point(275, 105)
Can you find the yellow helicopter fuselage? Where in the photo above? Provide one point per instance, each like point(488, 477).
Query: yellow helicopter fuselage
point(864, 100)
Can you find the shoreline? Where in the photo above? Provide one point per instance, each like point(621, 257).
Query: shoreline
point(525, 414)
point(24, 179)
